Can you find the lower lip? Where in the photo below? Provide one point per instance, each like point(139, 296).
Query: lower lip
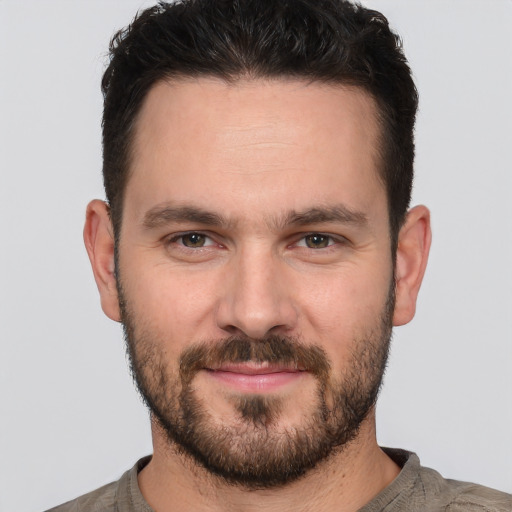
point(256, 383)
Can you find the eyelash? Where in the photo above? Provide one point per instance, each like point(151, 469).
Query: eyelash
point(180, 236)
point(332, 240)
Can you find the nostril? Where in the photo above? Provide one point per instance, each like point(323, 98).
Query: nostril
point(232, 330)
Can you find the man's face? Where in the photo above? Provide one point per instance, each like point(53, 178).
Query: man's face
point(255, 271)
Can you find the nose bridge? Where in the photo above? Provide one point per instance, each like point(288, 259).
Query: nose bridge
point(257, 300)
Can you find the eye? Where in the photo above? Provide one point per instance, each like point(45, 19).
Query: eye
point(316, 241)
point(193, 240)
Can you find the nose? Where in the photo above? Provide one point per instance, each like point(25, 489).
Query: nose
point(257, 297)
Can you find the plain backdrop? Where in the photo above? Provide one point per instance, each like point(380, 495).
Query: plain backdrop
point(70, 419)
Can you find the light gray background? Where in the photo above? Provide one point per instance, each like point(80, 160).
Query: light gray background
point(70, 418)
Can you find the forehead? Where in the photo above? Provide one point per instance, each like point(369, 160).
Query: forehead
point(266, 142)
point(208, 110)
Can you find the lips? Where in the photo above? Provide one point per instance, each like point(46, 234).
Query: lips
point(255, 377)
point(253, 368)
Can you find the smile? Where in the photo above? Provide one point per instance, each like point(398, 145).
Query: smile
point(255, 378)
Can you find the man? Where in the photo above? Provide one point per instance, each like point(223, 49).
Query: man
point(258, 248)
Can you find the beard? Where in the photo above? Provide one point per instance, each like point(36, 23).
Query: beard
point(256, 452)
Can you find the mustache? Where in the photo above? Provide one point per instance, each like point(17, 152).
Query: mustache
point(272, 349)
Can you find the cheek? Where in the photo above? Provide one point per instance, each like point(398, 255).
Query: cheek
point(345, 303)
point(174, 303)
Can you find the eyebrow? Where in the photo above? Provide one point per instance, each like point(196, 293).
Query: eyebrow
point(161, 215)
point(320, 215)
point(164, 214)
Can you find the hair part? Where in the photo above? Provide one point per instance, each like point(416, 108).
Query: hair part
point(330, 41)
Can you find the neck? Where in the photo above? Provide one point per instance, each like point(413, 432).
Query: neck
point(346, 481)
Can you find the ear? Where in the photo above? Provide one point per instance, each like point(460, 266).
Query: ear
point(99, 242)
point(411, 260)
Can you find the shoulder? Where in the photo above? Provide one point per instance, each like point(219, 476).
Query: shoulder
point(421, 489)
point(102, 499)
point(121, 496)
point(456, 496)
point(468, 496)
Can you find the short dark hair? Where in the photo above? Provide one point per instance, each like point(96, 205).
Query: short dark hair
point(331, 41)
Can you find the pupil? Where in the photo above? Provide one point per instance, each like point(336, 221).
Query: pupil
point(316, 241)
point(194, 240)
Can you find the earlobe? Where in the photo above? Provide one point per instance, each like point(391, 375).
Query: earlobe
point(411, 261)
point(99, 242)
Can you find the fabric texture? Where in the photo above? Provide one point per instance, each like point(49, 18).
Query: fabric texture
point(415, 489)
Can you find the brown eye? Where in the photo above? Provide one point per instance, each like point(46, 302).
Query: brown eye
point(317, 241)
point(193, 240)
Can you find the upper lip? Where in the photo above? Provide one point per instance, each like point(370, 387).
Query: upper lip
point(251, 368)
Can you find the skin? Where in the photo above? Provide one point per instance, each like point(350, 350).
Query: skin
point(255, 153)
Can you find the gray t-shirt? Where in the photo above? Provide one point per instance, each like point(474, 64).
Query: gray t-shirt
point(415, 489)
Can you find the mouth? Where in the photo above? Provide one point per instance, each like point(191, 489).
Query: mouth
point(253, 377)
